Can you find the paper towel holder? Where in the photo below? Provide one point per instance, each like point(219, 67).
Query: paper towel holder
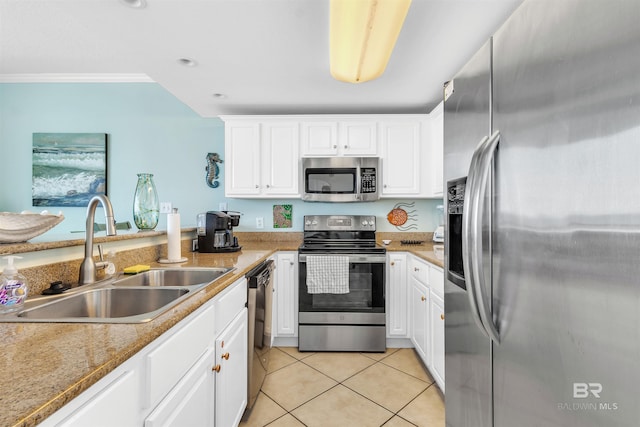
point(173, 238)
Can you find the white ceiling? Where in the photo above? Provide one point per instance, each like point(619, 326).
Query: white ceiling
point(266, 56)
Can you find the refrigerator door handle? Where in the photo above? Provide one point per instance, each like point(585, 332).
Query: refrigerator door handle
point(475, 217)
point(468, 239)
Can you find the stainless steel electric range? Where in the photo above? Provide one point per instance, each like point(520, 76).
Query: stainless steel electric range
point(341, 285)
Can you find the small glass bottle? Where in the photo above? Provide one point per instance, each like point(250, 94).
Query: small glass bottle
point(146, 207)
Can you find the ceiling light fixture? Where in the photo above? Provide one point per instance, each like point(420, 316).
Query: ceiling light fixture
point(362, 36)
point(136, 4)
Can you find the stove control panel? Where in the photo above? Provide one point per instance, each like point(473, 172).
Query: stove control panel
point(340, 222)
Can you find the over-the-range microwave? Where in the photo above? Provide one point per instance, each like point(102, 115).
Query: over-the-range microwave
point(340, 179)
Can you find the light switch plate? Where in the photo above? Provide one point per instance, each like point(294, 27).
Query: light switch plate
point(259, 222)
point(165, 207)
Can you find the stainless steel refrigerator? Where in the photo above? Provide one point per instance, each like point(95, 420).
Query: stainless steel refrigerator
point(542, 164)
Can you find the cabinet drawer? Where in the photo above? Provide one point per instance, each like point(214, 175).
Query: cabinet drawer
point(420, 270)
point(436, 280)
point(167, 363)
point(229, 303)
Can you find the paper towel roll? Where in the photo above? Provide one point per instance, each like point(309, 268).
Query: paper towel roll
point(173, 237)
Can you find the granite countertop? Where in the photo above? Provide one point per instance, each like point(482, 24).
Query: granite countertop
point(44, 366)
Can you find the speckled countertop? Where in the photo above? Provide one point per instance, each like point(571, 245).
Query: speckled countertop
point(44, 366)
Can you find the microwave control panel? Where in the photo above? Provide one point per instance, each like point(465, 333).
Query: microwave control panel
point(368, 180)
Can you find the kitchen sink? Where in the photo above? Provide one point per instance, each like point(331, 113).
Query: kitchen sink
point(173, 277)
point(124, 299)
point(108, 303)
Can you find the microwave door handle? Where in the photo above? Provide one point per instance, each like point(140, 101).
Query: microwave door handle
point(484, 169)
point(358, 191)
point(468, 239)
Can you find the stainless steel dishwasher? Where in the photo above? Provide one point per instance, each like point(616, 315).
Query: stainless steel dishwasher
point(259, 303)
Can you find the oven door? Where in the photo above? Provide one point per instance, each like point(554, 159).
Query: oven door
point(364, 303)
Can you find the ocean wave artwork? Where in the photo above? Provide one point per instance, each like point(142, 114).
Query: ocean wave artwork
point(68, 168)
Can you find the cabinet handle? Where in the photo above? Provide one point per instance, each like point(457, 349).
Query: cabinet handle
point(291, 262)
point(257, 186)
point(222, 344)
point(393, 263)
point(268, 186)
point(416, 269)
point(225, 356)
point(423, 298)
point(442, 316)
point(216, 368)
point(335, 146)
point(346, 146)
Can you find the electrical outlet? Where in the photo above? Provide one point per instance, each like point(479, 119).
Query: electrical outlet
point(259, 222)
point(222, 206)
point(165, 207)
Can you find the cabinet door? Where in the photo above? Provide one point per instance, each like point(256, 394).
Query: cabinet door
point(397, 298)
point(437, 339)
point(121, 393)
point(419, 317)
point(280, 159)
point(286, 295)
point(436, 117)
point(231, 376)
point(358, 138)
point(191, 402)
point(319, 138)
point(242, 159)
point(403, 154)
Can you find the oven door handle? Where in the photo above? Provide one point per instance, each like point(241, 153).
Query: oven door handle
point(353, 259)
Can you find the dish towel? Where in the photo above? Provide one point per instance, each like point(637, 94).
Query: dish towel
point(327, 274)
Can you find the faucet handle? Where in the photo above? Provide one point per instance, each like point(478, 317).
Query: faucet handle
point(100, 253)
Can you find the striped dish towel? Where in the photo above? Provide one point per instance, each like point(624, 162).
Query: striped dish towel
point(327, 274)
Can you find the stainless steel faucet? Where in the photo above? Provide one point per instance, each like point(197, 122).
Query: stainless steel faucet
point(89, 266)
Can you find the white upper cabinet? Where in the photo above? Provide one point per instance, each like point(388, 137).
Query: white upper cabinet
point(436, 118)
point(403, 155)
point(339, 136)
point(263, 153)
point(281, 156)
point(262, 158)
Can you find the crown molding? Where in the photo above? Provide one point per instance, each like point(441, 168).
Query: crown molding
point(76, 78)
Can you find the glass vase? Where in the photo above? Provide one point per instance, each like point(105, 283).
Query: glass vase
point(146, 207)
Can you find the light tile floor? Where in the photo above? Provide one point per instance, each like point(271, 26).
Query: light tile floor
point(392, 389)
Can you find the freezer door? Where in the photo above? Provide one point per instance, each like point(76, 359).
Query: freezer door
point(467, 349)
point(567, 215)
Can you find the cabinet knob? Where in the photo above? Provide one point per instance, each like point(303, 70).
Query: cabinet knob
point(442, 316)
point(291, 263)
point(346, 146)
point(225, 356)
point(268, 186)
point(416, 269)
point(423, 298)
point(257, 186)
point(393, 263)
point(216, 368)
point(384, 186)
point(335, 146)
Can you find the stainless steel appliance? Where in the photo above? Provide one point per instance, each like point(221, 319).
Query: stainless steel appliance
point(341, 285)
point(259, 304)
point(542, 131)
point(340, 179)
point(215, 231)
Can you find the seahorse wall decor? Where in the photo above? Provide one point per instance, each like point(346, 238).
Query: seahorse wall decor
point(213, 170)
point(403, 220)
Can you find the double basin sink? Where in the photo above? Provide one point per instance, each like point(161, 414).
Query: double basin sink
point(124, 299)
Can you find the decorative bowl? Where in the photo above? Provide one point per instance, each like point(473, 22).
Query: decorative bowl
point(20, 227)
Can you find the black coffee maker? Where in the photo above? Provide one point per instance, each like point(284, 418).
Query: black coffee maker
point(215, 231)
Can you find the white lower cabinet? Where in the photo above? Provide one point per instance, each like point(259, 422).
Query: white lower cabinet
point(419, 318)
point(426, 302)
point(191, 402)
point(194, 374)
point(231, 372)
point(285, 301)
point(397, 298)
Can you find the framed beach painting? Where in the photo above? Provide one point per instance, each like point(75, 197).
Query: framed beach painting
point(68, 168)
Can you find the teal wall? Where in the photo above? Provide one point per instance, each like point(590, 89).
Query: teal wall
point(149, 131)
